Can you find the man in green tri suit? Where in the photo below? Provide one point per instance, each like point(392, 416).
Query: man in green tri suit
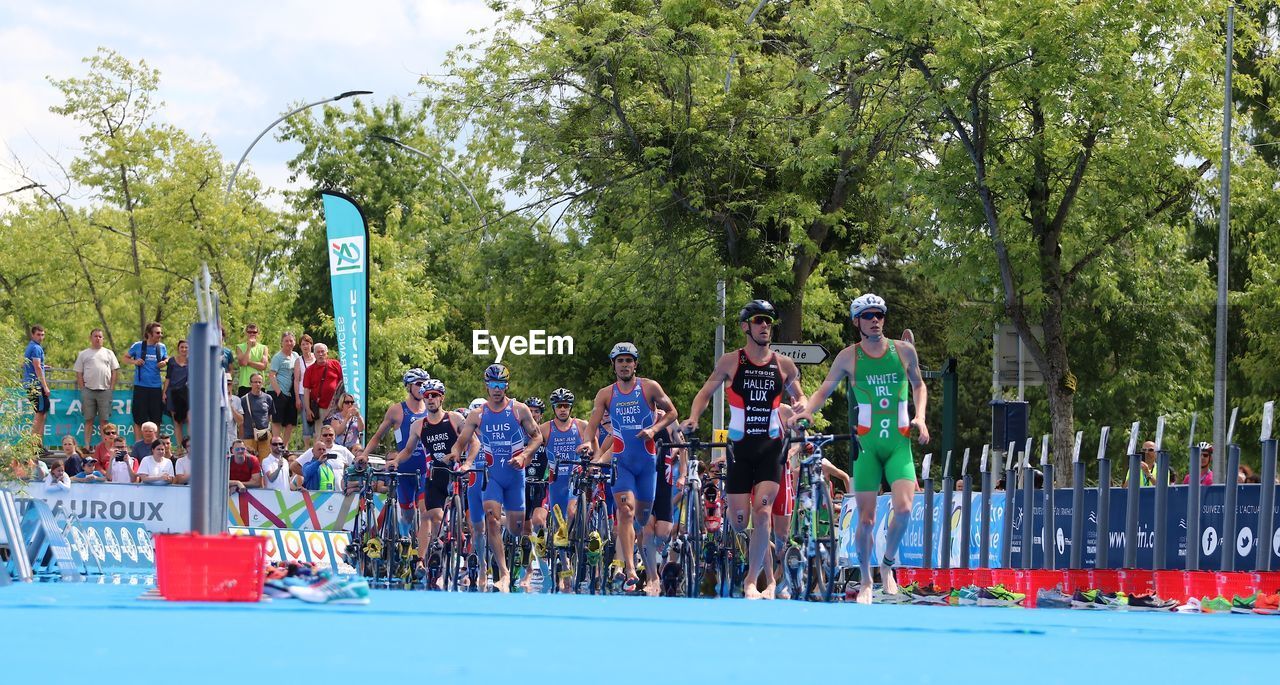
point(879, 370)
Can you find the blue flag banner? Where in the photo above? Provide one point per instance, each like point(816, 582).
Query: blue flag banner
point(347, 243)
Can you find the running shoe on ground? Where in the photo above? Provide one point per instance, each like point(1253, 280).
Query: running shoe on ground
point(1266, 604)
point(1191, 607)
point(928, 594)
point(276, 589)
point(1086, 599)
point(334, 590)
point(1243, 605)
point(1217, 605)
point(1148, 601)
point(1053, 598)
point(965, 596)
point(998, 596)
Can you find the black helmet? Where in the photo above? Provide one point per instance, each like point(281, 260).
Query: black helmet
point(561, 396)
point(536, 403)
point(756, 308)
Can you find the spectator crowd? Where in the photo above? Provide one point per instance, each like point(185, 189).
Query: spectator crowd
point(297, 392)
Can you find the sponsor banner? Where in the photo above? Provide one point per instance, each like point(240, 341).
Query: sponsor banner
point(348, 247)
point(1212, 522)
point(167, 509)
point(321, 547)
point(65, 418)
point(911, 549)
point(115, 548)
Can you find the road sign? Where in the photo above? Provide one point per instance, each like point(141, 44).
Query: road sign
point(811, 353)
point(1007, 357)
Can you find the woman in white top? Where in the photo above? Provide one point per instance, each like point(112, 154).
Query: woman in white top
point(305, 345)
point(156, 468)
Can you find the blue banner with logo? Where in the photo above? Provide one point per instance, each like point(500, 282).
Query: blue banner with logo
point(66, 418)
point(911, 550)
point(347, 241)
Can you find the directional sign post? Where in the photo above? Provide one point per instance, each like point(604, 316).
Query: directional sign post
point(801, 353)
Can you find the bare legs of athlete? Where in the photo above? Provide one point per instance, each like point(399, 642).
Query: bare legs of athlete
point(902, 493)
point(535, 526)
point(653, 547)
point(629, 511)
point(760, 504)
point(493, 530)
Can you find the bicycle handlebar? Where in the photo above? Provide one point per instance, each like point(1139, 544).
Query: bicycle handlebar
point(609, 467)
point(457, 474)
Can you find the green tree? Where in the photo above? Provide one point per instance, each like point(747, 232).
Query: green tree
point(628, 119)
point(1050, 154)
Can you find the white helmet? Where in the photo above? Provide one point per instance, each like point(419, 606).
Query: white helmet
point(476, 404)
point(624, 348)
point(864, 302)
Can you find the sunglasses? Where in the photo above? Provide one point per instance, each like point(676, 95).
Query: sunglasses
point(497, 385)
point(565, 405)
point(761, 319)
point(348, 401)
point(432, 395)
point(871, 316)
point(238, 450)
point(109, 433)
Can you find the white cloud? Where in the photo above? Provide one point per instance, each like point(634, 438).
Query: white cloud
point(227, 69)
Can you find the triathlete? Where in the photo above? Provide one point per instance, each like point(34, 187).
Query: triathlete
point(436, 432)
point(503, 425)
point(631, 404)
point(879, 369)
point(535, 495)
point(757, 378)
point(399, 417)
point(562, 435)
point(672, 467)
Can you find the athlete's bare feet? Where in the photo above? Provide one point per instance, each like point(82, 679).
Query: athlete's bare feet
point(888, 581)
point(864, 595)
point(503, 583)
point(769, 591)
point(751, 592)
point(653, 589)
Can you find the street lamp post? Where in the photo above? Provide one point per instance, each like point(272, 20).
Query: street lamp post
point(409, 148)
point(350, 93)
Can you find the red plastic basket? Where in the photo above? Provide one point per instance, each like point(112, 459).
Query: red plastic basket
point(1105, 579)
point(1269, 581)
point(1136, 581)
point(210, 568)
point(1008, 577)
point(1201, 584)
point(1232, 583)
point(1078, 579)
point(1172, 584)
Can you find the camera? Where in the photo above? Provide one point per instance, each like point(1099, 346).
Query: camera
point(121, 454)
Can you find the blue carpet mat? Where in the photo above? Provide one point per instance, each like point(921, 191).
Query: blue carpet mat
point(69, 633)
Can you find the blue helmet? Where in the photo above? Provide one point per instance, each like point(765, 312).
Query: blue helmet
point(497, 372)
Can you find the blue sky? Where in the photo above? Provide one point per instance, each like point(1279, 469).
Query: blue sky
point(227, 69)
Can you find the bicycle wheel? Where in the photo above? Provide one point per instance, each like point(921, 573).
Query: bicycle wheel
point(796, 572)
point(824, 562)
point(600, 526)
point(579, 533)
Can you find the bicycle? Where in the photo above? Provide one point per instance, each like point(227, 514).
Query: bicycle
point(809, 562)
point(684, 576)
point(590, 532)
point(448, 555)
point(388, 555)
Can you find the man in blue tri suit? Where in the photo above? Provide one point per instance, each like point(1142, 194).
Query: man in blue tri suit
point(503, 426)
point(562, 435)
point(632, 405)
point(398, 418)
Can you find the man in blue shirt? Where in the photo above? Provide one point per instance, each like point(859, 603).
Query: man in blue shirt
point(148, 356)
point(34, 380)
